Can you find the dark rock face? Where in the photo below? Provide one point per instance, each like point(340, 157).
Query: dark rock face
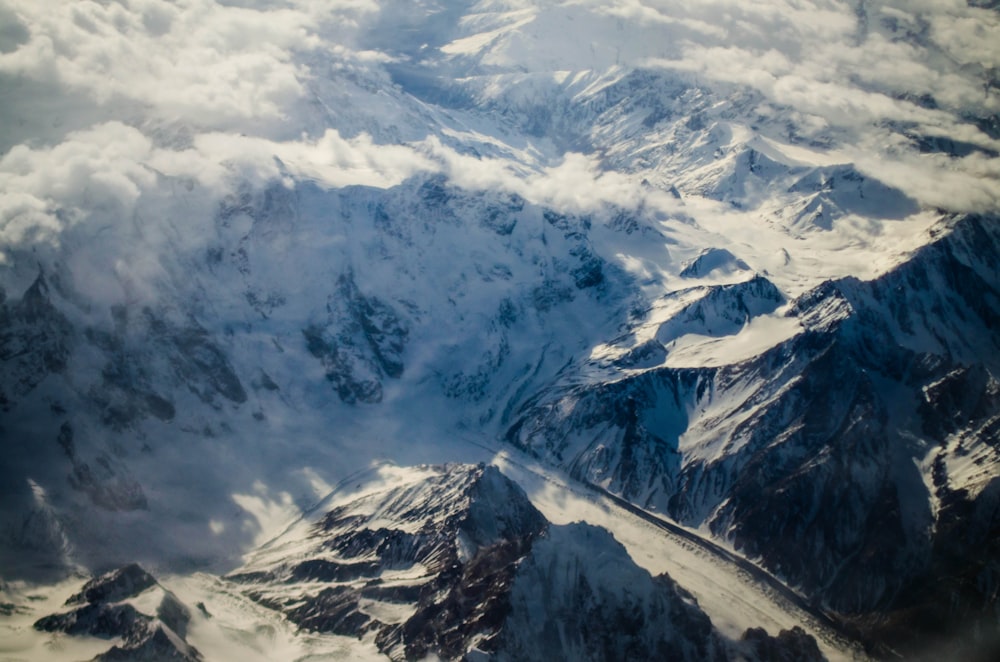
point(724, 310)
point(360, 344)
point(115, 586)
point(100, 620)
point(951, 609)
point(817, 444)
point(588, 271)
point(147, 352)
point(104, 480)
point(107, 614)
point(35, 341)
point(143, 349)
point(604, 436)
point(842, 505)
point(579, 596)
point(474, 606)
point(161, 644)
point(789, 646)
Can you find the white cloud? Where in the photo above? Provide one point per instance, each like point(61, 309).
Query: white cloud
point(105, 170)
point(821, 60)
point(42, 190)
point(575, 184)
point(330, 160)
point(271, 513)
point(969, 184)
point(201, 62)
point(970, 36)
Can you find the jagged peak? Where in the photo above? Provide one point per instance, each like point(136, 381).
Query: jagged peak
point(474, 501)
point(114, 586)
point(713, 262)
point(111, 606)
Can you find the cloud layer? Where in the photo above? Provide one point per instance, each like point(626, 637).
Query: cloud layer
point(101, 99)
point(200, 61)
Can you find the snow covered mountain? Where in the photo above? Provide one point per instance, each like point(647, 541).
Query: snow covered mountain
point(829, 439)
point(108, 614)
point(455, 561)
point(734, 264)
point(450, 561)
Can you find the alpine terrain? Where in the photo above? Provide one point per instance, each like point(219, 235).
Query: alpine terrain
point(499, 330)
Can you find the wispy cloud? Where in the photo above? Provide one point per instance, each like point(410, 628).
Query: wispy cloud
point(195, 60)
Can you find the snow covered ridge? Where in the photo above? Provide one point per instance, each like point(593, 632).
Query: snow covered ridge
point(450, 561)
point(731, 260)
point(110, 611)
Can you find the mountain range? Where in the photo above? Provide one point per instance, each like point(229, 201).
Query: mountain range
point(504, 329)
